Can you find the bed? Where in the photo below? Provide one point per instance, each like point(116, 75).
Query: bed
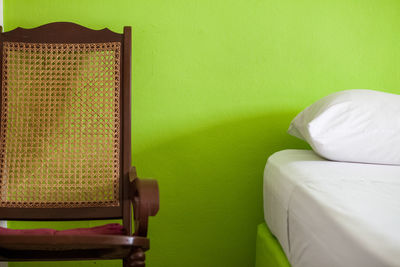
point(326, 213)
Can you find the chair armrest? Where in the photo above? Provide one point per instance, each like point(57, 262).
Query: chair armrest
point(145, 200)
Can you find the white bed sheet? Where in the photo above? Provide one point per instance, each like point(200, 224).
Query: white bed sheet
point(331, 214)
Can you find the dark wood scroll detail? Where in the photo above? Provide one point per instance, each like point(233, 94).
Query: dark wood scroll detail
point(144, 195)
point(145, 200)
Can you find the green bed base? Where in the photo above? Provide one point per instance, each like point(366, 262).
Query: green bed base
point(269, 252)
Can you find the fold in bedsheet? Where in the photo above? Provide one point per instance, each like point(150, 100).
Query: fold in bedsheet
point(333, 214)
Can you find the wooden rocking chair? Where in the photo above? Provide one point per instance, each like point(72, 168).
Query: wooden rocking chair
point(65, 145)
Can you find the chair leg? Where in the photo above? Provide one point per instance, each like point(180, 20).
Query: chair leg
point(135, 259)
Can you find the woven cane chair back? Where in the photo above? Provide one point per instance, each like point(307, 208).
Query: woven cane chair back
point(60, 128)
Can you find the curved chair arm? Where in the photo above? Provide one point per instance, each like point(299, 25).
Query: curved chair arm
point(145, 199)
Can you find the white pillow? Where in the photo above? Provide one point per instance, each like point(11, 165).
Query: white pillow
point(353, 125)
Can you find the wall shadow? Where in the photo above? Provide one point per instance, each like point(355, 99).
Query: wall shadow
point(211, 190)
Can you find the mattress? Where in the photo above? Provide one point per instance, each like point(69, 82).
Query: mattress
point(332, 214)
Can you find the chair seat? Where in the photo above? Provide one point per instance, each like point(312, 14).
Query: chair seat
point(80, 243)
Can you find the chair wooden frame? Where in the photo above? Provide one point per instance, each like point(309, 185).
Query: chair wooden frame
point(141, 193)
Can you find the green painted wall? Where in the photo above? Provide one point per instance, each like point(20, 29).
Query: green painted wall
point(216, 83)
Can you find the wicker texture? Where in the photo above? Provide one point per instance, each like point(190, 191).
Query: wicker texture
point(60, 127)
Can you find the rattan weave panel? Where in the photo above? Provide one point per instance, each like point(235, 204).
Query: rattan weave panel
point(60, 127)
